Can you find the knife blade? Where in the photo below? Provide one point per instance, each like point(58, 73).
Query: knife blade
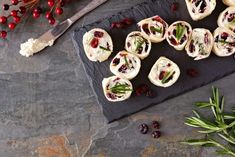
point(62, 27)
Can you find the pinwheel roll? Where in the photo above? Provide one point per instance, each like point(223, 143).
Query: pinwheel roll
point(116, 88)
point(164, 73)
point(125, 65)
point(199, 9)
point(229, 2)
point(200, 44)
point(97, 44)
point(178, 34)
point(227, 19)
point(154, 29)
point(138, 45)
point(224, 42)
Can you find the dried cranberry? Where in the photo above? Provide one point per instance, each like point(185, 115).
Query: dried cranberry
point(98, 34)
point(156, 134)
point(224, 35)
point(94, 43)
point(192, 72)
point(150, 93)
point(116, 61)
point(143, 128)
point(123, 68)
point(127, 21)
point(145, 28)
point(111, 96)
point(206, 39)
point(114, 25)
point(191, 47)
point(120, 25)
point(141, 89)
point(157, 18)
point(162, 74)
point(174, 6)
point(173, 41)
point(156, 125)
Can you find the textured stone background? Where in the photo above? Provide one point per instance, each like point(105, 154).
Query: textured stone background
point(47, 108)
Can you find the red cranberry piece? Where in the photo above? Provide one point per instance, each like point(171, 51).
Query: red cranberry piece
point(206, 38)
point(98, 34)
point(146, 29)
point(114, 25)
point(127, 21)
point(142, 89)
point(162, 74)
point(174, 6)
point(156, 134)
point(224, 35)
point(192, 72)
point(119, 25)
point(94, 43)
point(173, 41)
point(156, 125)
point(116, 61)
point(111, 96)
point(143, 128)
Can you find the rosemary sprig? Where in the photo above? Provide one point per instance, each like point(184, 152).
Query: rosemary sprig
point(222, 126)
point(103, 48)
point(121, 88)
point(139, 44)
point(126, 62)
point(180, 31)
point(153, 29)
point(167, 76)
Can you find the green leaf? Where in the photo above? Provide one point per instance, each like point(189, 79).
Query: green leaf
point(231, 117)
point(196, 114)
point(227, 138)
point(197, 142)
point(153, 29)
point(180, 30)
point(203, 104)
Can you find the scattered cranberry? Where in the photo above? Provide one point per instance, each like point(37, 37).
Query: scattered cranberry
point(3, 19)
point(116, 61)
point(22, 10)
point(14, 2)
point(119, 25)
point(59, 11)
point(127, 21)
point(51, 3)
point(13, 13)
point(12, 25)
point(36, 15)
point(5, 7)
point(192, 72)
point(49, 15)
point(37, 10)
point(156, 125)
point(3, 34)
point(150, 93)
point(123, 23)
point(94, 43)
point(174, 6)
point(17, 19)
point(156, 134)
point(142, 89)
point(51, 21)
point(144, 128)
point(98, 34)
point(62, 3)
point(224, 35)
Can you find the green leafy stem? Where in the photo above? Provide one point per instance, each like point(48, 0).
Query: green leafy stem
point(121, 89)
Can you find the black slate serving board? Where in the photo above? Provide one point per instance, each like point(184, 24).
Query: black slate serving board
point(210, 69)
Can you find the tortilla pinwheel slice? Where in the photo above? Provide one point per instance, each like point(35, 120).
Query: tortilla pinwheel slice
point(125, 65)
point(178, 34)
point(200, 44)
point(199, 9)
point(117, 89)
point(138, 45)
point(229, 2)
point(153, 28)
point(164, 73)
point(97, 44)
point(224, 42)
point(227, 19)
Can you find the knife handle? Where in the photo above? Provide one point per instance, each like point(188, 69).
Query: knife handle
point(91, 6)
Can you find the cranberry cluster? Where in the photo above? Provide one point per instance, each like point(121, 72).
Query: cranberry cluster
point(31, 6)
point(144, 129)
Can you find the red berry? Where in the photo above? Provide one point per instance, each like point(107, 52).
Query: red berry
point(25, 1)
point(98, 34)
point(127, 21)
point(192, 72)
point(94, 43)
point(156, 125)
point(59, 11)
point(5, 6)
point(114, 25)
point(14, 2)
point(16, 19)
point(22, 10)
point(62, 3)
point(51, 3)
point(37, 10)
point(51, 21)
point(119, 25)
point(143, 128)
point(49, 15)
point(12, 25)
point(3, 34)
point(156, 134)
point(174, 6)
point(3, 19)
point(13, 13)
point(36, 15)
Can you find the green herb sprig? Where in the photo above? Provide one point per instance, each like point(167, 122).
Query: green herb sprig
point(121, 88)
point(153, 29)
point(167, 76)
point(222, 127)
point(139, 44)
point(180, 30)
point(126, 62)
point(103, 48)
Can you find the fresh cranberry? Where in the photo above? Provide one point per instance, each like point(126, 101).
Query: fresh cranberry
point(51, 3)
point(16, 19)
point(192, 72)
point(59, 11)
point(12, 25)
point(156, 134)
point(5, 7)
point(13, 13)
point(156, 125)
point(224, 35)
point(174, 6)
point(94, 43)
point(51, 21)
point(38, 10)
point(143, 128)
point(98, 34)
point(49, 15)
point(14, 2)
point(22, 10)
point(3, 19)
point(36, 15)
point(3, 34)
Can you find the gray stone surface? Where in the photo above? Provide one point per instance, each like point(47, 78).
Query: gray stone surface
point(47, 108)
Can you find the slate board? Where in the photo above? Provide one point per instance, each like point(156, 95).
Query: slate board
point(210, 69)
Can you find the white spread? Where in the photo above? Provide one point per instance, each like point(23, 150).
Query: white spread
point(125, 65)
point(229, 2)
point(111, 82)
point(161, 69)
point(227, 19)
point(33, 46)
point(138, 45)
point(199, 9)
point(224, 42)
point(200, 44)
point(104, 47)
point(154, 28)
